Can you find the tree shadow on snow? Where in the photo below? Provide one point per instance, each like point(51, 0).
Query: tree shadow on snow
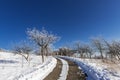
point(8, 61)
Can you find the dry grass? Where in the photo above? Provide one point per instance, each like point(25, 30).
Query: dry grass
point(111, 66)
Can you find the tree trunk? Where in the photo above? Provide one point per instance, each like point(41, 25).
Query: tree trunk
point(46, 51)
point(42, 53)
point(22, 61)
point(101, 55)
point(28, 60)
point(90, 55)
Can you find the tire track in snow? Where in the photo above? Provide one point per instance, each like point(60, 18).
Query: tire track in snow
point(65, 68)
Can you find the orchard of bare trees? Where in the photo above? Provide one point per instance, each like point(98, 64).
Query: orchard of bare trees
point(42, 39)
point(97, 48)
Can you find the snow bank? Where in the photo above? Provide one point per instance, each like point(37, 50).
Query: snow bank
point(38, 72)
point(92, 73)
point(65, 68)
point(11, 64)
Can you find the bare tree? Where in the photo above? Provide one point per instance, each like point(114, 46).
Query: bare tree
point(87, 50)
point(24, 50)
point(113, 49)
point(64, 51)
point(99, 45)
point(116, 45)
point(81, 49)
point(110, 49)
point(90, 51)
point(43, 39)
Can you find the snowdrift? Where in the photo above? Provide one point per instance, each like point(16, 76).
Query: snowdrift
point(37, 73)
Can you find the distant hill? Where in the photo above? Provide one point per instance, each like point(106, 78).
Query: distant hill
point(3, 50)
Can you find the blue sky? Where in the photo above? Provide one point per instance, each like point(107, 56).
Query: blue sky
point(72, 20)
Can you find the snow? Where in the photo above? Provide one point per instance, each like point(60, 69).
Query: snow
point(111, 69)
point(95, 71)
point(65, 68)
point(10, 67)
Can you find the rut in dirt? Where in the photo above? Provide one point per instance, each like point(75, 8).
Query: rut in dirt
point(74, 72)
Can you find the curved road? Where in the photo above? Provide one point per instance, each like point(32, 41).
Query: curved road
point(59, 72)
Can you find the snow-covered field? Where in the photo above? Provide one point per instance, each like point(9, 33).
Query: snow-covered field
point(11, 68)
point(98, 70)
point(111, 70)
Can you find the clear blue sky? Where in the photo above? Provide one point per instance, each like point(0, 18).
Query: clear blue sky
point(71, 19)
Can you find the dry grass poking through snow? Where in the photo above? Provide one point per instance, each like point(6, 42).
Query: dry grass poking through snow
point(112, 67)
point(107, 64)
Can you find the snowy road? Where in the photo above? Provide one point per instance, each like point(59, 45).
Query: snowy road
point(66, 70)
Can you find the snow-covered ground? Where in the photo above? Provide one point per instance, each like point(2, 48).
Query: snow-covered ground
point(10, 67)
point(112, 69)
point(98, 70)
